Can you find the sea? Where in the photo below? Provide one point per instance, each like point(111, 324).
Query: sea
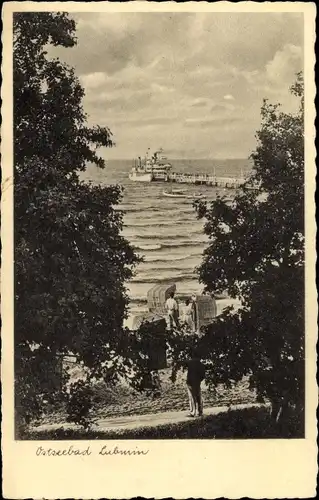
point(165, 231)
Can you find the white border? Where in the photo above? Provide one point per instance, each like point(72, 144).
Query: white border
point(178, 469)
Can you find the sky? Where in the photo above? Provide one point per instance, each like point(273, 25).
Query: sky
point(191, 83)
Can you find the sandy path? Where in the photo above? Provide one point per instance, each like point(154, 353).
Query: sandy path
point(142, 421)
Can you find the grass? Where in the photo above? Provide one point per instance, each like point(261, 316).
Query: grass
point(123, 401)
point(253, 423)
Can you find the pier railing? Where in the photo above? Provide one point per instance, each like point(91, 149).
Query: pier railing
point(205, 179)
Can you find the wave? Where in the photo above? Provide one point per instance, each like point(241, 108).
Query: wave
point(165, 279)
point(177, 263)
point(168, 237)
point(159, 246)
point(148, 247)
point(173, 265)
point(175, 244)
point(155, 259)
point(145, 210)
point(160, 223)
point(137, 208)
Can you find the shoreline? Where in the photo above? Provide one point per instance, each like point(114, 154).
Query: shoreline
point(221, 304)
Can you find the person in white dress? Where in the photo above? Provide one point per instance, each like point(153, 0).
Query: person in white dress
point(188, 315)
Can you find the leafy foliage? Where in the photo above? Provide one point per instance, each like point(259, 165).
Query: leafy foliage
point(71, 261)
point(256, 253)
point(79, 404)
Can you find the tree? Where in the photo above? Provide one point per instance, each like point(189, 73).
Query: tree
point(71, 262)
point(256, 253)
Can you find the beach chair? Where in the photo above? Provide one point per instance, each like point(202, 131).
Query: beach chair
point(205, 310)
point(157, 296)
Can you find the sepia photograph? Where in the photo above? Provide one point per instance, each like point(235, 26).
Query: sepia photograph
point(158, 295)
point(159, 243)
point(159, 225)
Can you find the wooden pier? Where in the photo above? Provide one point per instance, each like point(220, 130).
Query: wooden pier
point(201, 179)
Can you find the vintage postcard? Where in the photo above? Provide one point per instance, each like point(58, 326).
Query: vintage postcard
point(158, 296)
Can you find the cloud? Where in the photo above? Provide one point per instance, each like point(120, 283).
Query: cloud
point(285, 64)
point(226, 121)
point(94, 80)
point(199, 103)
point(156, 78)
point(145, 122)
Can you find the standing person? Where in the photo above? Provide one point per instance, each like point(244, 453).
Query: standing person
point(188, 315)
point(171, 307)
point(195, 376)
point(194, 312)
